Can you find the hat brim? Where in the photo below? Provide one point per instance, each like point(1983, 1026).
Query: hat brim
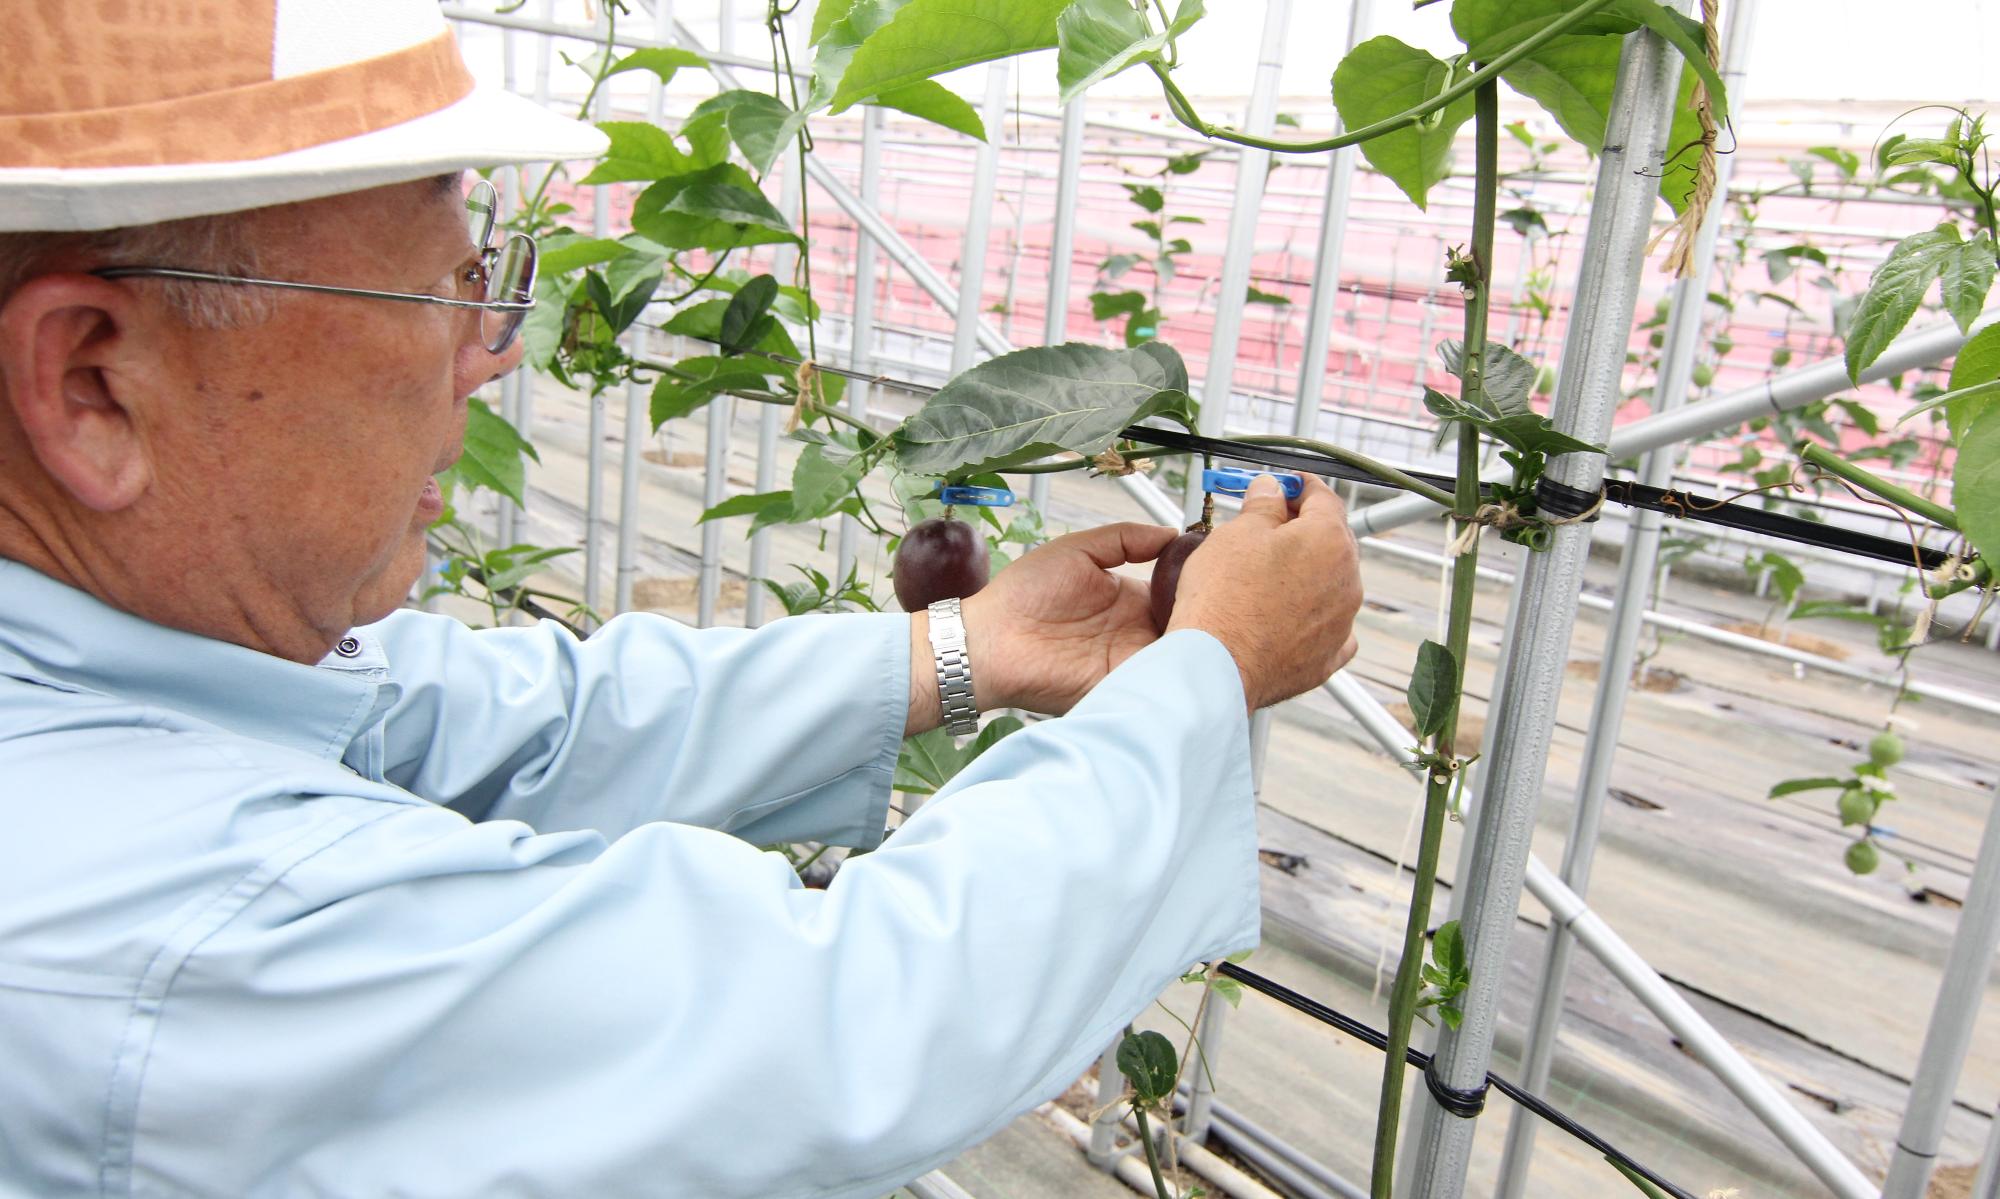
point(489, 127)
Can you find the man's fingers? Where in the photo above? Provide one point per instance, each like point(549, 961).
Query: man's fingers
point(1319, 502)
point(1115, 545)
point(1347, 652)
point(1265, 502)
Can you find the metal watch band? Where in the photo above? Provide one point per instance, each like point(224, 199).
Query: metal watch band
point(954, 668)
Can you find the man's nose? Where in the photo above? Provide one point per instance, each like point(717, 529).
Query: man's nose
point(477, 366)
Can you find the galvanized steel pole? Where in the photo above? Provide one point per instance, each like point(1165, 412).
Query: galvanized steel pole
point(979, 221)
point(1949, 1036)
point(1219, 380)
point(1586, 399)
point(593, 489)
point(1062, 246)
point(1614, 676)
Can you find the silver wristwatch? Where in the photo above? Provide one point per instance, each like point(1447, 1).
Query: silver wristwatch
point(954, 669)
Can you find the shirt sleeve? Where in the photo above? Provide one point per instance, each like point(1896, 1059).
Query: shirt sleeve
point(427, 1007)
point(785, 733)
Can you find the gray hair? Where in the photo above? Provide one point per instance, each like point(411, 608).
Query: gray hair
point(222, 244)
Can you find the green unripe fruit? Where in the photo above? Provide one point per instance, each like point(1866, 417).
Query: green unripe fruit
point(1862, 858)
point(1781, 356)
point(1886, 749)
point(1856, 807)
point(1703, 374)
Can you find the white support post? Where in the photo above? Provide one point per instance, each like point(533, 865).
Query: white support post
point(1326, 262)
point(1614, 676)
point(1586, 399)
point(861, 326)
point(638, 399)
point(1219, 380)
point(1949, 1036)
point(714, 485)
point(1104, 1129)
point(979, 220)
point(791, 203)
point(1062, 247)
point(593, 491)
point(1987, 1185)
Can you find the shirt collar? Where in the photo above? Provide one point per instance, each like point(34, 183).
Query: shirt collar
point(57, 636)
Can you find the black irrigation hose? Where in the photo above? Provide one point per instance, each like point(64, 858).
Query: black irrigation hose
point(1460, 1103)
point(1677, 502)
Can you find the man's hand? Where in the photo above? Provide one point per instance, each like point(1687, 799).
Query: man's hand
point(1049, 627)
point(1279, 589)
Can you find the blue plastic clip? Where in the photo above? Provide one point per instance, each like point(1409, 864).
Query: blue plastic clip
point(978, 497)
point(1233, 480)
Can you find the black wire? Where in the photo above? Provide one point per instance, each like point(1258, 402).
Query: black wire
point(1417, 1057)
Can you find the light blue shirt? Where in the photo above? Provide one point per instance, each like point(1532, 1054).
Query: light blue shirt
point(462, 913)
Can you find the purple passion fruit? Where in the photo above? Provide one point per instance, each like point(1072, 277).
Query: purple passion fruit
point(1167, 573)
point(939, 559)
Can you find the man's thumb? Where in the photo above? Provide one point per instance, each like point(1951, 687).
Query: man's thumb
point(1264, 501)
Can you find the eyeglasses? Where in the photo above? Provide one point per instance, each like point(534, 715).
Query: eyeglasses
point(505, 275)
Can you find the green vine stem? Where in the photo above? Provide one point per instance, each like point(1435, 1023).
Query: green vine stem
point(1441, 777)
point(1381, 470)
point(1152, 1153)
point(1183, 109)
point(1813, 454)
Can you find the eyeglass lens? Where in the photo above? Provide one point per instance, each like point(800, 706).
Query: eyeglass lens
point(511, 281)
point(482, 207)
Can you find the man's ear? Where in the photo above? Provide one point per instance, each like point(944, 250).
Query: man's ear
point(61, 341)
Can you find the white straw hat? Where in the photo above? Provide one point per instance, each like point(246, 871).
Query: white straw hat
point(127, 112)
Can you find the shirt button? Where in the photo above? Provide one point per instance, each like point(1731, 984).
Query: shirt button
point(348, 648)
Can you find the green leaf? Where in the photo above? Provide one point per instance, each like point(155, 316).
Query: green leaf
point(1974, 399)
point(825, 13)
point(1780, 263)
point(1146, 196)
point(1096, 39)
point(1847, 162)
point(663, 61)
point(1256, 296)
point(758, 123)
point(930, 760)
point(1106, 305)
point(1975, 483)
point(1509, 376)
point(1895, 292)
point(1185, 164)
point(696, 381)
point(1965, 278)
point(1978, 361)
point(707, 137)
point(560, 254)
point(929, 37)
point(834, 46)
point(747, 505)
point(929, 100)
point(1034, 402)
point(1490, 28)
point(1382, 77)
point(746, 308)
point(1148, 1062)
point(1433, 689)
point(1572, 78)
point(1448, 949)
point(822, 479)
point(638, 151)
point(1794, 786)
point(493, 454)
point(719, 208)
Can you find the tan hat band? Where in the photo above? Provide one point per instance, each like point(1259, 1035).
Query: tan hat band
point(253, 121)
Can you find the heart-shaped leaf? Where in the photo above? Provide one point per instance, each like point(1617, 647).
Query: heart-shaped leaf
point(1383, 77)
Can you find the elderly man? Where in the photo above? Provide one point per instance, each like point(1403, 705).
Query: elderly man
point(305, 895)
